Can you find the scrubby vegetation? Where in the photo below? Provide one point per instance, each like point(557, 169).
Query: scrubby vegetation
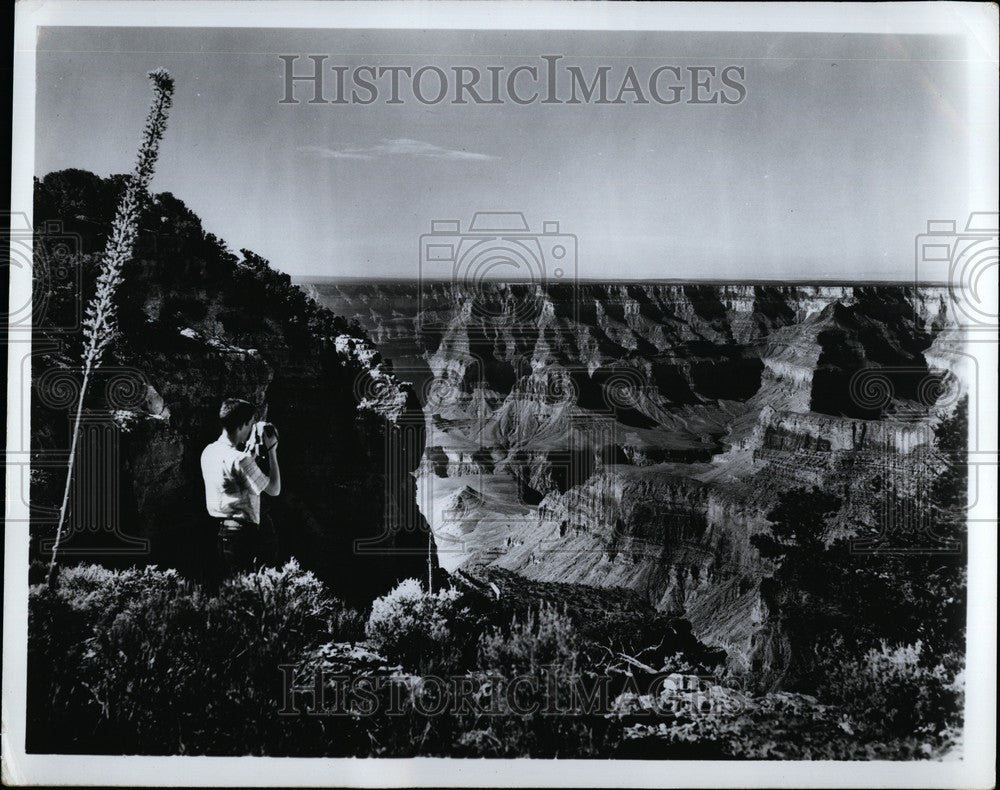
point(423, 631)
point(172, 248)
point(144, 661)
point(492, 664)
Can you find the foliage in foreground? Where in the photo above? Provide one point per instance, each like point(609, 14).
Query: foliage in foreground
point(907, 583)
point(144, 661)
point(424, 631)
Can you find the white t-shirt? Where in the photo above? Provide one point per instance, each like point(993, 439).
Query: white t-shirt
point(233, 481)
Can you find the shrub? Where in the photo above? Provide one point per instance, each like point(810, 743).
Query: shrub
point(64, 665)
point(422, 630)
point(608, 621)
point(543, 637)
point(98, 592)
point(536, 664)
point(824, 591)
point(143, 661)
point(738, 664)
point(893, 692)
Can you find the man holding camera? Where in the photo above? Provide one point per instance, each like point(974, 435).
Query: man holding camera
point(234, 482)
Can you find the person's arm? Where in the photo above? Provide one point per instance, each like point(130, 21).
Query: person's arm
point(273, 487)
point(255, 479)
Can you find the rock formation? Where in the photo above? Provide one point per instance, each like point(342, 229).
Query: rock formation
point(637, 435)
point(199, 324)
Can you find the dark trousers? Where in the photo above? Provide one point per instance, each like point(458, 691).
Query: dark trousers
point(245, 546)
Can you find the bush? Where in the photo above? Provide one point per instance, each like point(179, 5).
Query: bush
point(423, 631)
point(143, 661)
point(893, 692)
point(774, 726)
point(536, 664)
point(544, 637)
point(98, 592)
point(823, 590)
point(65, 663)
point(608, 621)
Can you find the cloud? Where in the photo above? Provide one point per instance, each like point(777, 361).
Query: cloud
point(397, 147)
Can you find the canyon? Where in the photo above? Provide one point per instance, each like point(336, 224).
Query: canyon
point(637, 434)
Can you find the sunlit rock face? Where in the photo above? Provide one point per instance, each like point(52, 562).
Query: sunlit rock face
point(637, 435)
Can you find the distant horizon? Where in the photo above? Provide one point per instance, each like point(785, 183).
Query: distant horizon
point(332, 279)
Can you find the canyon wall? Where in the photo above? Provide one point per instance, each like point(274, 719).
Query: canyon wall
point(638, 435)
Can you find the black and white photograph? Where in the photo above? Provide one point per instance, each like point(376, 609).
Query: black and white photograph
point(568, 394)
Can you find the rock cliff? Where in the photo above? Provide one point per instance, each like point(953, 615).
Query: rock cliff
point(199, 324)
point(638, 434)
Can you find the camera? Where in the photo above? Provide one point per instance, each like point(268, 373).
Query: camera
point(960, 258)
point(262, 435)
point(501, 265)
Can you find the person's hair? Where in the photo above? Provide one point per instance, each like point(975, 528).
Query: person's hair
point(234, 413)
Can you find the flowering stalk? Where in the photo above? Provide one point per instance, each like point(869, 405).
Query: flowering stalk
point(99, 325)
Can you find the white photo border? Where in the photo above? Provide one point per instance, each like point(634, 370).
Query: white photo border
point(974, 22)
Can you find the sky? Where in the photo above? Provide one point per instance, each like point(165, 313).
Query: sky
point(842, 149)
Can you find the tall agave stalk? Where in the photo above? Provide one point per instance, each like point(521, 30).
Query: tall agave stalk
point(430, 560)
point(99, 325)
